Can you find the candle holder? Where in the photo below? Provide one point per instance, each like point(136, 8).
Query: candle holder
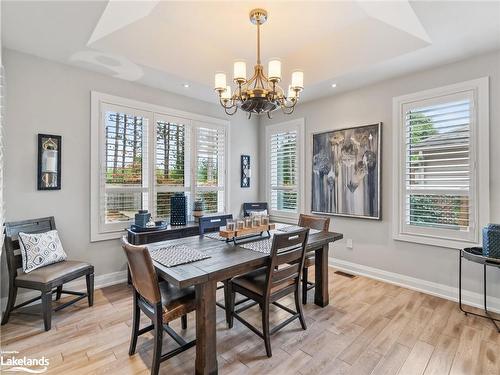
point(240, 224)
point(49, 162)
point(231, 225)
point(248, 222)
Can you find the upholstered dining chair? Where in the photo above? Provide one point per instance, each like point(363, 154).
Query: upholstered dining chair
point(160, 301)
point(48, 279)
point(312, 222)
point(269, 284)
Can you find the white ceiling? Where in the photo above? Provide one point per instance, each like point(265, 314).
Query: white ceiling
point(165, 44)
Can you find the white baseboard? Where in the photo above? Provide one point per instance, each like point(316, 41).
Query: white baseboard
point(100, 281)
point(440, 290)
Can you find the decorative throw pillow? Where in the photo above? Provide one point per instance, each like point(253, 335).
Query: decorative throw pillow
point(40, 249)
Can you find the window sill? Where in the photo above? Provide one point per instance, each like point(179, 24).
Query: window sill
point(440, 242)
point(96, 237)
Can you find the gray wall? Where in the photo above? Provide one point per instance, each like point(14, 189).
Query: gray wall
point(373, 243)
point(47, 97)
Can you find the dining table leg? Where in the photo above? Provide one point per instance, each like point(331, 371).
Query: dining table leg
point(321, 297)
point(206, 341)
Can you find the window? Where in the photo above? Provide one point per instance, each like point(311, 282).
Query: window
point(142, 156)
point(284, 177)
point(442, 165)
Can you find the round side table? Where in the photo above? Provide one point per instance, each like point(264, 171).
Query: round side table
point(475, 254)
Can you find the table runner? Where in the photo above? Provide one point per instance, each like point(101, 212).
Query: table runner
point(174, 255)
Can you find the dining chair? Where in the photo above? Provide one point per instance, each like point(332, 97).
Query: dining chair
point(48, 279)
point(269, 284)
point(312, 222)
point(160, 301)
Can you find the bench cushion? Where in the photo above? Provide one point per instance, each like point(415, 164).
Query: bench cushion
point(53, 272)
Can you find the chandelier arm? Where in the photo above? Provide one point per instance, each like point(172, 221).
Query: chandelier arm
point(229, 112)
point(288, 110)
point(227, 106)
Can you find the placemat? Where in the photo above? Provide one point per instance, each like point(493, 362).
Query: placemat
point(214, 236)
point(174, 255)
point(261, 246)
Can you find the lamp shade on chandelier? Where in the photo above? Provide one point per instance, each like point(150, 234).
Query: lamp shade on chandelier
point(259, 93)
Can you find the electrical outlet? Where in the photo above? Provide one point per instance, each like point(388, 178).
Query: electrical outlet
point(349, 243)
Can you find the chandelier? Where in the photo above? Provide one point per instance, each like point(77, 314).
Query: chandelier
point(260, 93)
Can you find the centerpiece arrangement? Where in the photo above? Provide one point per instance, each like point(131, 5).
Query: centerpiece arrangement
point(246, 228)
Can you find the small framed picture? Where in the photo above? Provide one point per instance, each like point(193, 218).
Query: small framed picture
point(49, 162)
point(245, 171)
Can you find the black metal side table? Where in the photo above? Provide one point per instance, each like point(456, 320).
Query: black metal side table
point(475, 254)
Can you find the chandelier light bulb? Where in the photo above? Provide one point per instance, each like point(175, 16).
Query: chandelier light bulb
point(226, 94)
point(274, 70)
point(240, 71)
point(298, 79)
point(220, 81)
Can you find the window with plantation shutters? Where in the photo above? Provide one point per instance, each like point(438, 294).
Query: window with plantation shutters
point(439, 155)
point(143, 154)
point(284, 142)
point(210, 167)
point(124, 186)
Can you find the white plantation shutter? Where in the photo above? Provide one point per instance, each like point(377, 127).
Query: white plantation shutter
point(123, 172)
point(209, 174)
point(284, 178)
point(439, 179)
point(172, 162)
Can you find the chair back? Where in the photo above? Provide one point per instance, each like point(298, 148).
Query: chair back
point(248, 208)
point(142, 271)
point(213, 221)
point(288, 250)
point(11, 244)
point(314, 222)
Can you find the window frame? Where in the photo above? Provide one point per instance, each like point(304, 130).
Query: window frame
point(299, 126)
point(99, 102)
point(479, 156)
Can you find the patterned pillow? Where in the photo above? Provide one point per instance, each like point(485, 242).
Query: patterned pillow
point(40, 249)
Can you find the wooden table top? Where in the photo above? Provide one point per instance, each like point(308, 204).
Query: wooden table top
point(227, 259)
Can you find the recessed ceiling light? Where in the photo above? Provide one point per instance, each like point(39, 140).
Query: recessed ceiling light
point(334, 85)
point(186, 85)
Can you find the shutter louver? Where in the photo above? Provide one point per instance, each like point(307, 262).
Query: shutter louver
point(123, 173)
point(210, 171)
point(438, 168)
point(283, 168)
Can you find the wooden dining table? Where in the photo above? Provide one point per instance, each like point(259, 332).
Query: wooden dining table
point(226, 261)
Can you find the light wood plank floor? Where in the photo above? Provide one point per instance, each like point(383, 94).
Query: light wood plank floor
point(369, 328)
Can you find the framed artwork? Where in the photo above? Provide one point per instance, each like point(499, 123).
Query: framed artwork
point(346, 172)
point(49, 162)
point(245, 171)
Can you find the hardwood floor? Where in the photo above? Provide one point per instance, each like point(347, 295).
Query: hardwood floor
point(369, 328)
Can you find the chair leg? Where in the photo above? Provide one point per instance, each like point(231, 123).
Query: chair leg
point(232, 297)
point(304, 285)
point(298, 307)
point(227, 300)
point(10, 303)
point(158, 338)
point(136, 318)
point(90, 288)
point(184, 322)
point(47, 309)
point(59, 292)
point(265, 329)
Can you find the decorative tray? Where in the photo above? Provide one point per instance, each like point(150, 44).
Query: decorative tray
point(245, 232)
point(159, 225)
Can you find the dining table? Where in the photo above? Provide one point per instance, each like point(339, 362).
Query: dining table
point(227, 260)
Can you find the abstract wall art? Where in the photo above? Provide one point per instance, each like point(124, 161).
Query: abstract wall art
point(346, 172)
